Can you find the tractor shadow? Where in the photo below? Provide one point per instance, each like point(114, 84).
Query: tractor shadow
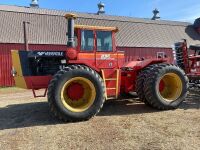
point(125, 107)
point(26, 115)
point(134, 106)
point(37, 114)
point(192, 102)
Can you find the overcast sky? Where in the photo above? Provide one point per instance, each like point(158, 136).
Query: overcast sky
point(180, 10)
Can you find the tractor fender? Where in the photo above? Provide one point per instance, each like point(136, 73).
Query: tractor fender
point(138, 65)
point(75, 62)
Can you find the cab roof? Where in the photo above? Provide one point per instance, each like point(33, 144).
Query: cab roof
point(103, 28)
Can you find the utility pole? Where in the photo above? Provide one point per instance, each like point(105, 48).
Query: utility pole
point(26, 35)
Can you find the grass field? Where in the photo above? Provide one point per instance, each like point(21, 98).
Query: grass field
point(10, 90)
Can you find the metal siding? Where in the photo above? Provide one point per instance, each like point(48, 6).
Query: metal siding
point(6, 63)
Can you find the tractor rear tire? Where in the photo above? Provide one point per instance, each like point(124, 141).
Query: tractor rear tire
point(140, 83)
point(166, 87)
point(76, 93)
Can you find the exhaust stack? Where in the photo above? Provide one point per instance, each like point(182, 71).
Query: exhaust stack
point(70, 34)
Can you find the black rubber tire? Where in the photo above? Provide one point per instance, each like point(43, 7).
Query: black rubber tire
point(54, 97)
point(152, 94)
point(140, 82)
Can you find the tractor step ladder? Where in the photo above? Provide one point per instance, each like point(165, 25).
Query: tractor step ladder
point(116, 88)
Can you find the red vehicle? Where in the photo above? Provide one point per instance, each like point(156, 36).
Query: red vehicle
point(91, 70)
point(188, 58)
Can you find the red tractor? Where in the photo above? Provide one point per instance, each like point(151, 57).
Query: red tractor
point(188, 58)
point(91, 70)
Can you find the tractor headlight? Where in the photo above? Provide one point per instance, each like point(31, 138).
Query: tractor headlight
point(13, 72)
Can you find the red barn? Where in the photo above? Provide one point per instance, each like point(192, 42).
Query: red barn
point(47, 31)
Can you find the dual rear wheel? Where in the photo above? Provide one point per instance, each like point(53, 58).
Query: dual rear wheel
point(162, 86)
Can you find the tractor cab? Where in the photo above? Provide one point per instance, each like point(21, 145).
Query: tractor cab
point(96, 47)
point(93, 46)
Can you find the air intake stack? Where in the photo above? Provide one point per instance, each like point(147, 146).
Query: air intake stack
point(71, 40)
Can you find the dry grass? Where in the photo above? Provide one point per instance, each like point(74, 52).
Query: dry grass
point(25, 123)
point(10, 90)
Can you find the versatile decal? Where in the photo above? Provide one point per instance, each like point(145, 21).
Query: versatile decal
point(50, 53)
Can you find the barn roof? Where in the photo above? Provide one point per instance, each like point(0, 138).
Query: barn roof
point(49, 27)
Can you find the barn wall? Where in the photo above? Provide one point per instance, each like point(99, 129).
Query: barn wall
point(6, 64)
point(5, 68)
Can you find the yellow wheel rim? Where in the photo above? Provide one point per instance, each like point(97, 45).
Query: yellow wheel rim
point(85, 101)
point(170, 87)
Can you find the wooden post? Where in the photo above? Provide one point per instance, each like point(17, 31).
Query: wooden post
point(26, 45)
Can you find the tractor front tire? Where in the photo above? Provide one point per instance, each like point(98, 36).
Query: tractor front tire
point(76, 93)
point(166, 87)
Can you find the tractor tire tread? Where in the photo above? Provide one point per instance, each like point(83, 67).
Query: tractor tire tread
point(140, 83)
point(149, 89)
point(55, 111)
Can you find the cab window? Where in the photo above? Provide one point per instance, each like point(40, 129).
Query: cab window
point(104, 41)
point(87, 40)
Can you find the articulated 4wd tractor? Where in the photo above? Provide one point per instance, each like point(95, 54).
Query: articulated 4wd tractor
point(91, 70)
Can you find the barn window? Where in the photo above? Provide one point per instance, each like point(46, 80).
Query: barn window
point(161, 54)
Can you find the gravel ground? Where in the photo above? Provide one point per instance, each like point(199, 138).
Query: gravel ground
point(25, 123)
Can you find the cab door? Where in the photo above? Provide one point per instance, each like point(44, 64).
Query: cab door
point(106, 56)
point(87, 47)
